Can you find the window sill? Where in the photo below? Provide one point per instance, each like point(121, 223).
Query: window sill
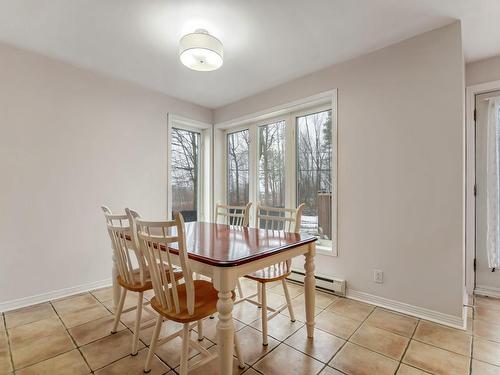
point(325, 250)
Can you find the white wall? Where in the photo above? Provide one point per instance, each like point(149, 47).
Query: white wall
point(72, 140)
point(400, 167)
point(482, 71)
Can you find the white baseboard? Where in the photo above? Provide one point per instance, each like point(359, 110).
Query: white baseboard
point(44, 297)
point(419, 312)
point(488, 291)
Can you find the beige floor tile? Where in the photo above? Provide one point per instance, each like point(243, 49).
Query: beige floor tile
point(274, 300)
point(167, 328)
point(212, 367)
point(322, 300)
point(93, 330)
point(29, 314)
point(84, 315)
point(4, 341)
point(130, 301)
point(408, 370)
point(487, 314)
point(488, 331)
point(487, 302)
point(251, 344)
point(21, 335)
point(286, 360)
point(435, 360)
point(299, 311)
point(250, 371)
point(103, 294)
point(41, 349)
point(5, 362)
point(134, 365)
point(170, 351)
point(76, 303)
point(68, 363)
point(280, 327)
point(380, 341)
point(330, 371)
point(482, 368)
point(351, 309)
point(337, 325)
point(148, 294)
point(148, 315)
point(109, 349)
point(2, 322)
point(295, 290)
point(444, 337)
point(210, 328)
point(393, 322)
point(322, 347)
point(355, 360)
point(486, 351)
point(246, 312)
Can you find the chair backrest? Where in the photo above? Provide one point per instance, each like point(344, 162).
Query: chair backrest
point(156, 237)
point(127, 254)
point(274, 218)
point(233, 215)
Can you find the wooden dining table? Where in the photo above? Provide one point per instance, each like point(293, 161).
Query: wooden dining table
point(224, 253)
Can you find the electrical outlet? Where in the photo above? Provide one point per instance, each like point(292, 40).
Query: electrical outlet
point(378, 276)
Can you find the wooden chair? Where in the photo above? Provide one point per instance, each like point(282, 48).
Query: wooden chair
point(282, 219)
point(185, 303)
point(133, 274)
point(233, 215)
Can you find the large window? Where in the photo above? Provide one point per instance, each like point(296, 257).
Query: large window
point(284, 162)
point(272, 164)
point(237, 168)
point(185, 172)
point(313, 173)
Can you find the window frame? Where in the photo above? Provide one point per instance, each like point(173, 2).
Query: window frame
point(288, 113)
point(205, 175)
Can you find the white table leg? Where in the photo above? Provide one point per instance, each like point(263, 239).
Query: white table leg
point(310, 289)
point(225, 325)
point(116, 286)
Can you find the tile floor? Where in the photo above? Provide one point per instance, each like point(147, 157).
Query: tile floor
point(71, 336)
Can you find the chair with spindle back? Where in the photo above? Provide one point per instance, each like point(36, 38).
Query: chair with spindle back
point(233, 215)
point(281, 219)
point(133, 273)
point(185, 303)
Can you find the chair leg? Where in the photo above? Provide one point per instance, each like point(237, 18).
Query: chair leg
point(137, 325)
point(119, 309)
point(237, 351)
point(152, 345)
point(240, 289)
point(264, 313)
point(200, 330)
point(288, 300)
point(259, 294)
point(185, 349)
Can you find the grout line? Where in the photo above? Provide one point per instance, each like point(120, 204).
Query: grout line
point(4, 322)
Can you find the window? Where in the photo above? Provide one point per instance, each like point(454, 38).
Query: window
point(185, 172)
point(237, 168)
point(285, 161)
point(313, 172)
point(272, 164)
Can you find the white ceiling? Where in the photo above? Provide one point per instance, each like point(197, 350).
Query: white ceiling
point(267, 42)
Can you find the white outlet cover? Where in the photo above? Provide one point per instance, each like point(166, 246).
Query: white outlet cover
point(378, 276)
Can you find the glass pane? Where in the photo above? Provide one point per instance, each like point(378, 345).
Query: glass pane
point(272, 164)
point(185, 172)
point(237, 168)
point(314, 181)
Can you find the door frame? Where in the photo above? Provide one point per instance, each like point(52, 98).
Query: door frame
point(470, 173)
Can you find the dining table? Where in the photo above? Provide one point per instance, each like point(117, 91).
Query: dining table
point(225, 252)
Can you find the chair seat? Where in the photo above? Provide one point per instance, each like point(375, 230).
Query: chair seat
point(269, 274)
point(138, 286)
point(205, 303)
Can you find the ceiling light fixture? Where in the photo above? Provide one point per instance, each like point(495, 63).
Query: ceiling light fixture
point(201, 51)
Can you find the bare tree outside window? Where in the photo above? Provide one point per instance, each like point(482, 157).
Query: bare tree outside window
point(272, 164)
point(237, 168)
point(314, 180)
point(185, 172)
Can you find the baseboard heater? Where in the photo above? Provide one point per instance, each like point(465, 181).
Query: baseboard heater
point(326, 283)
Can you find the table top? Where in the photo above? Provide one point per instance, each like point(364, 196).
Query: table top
point(222, 245)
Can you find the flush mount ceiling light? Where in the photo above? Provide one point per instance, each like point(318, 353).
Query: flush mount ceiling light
point(201, 51)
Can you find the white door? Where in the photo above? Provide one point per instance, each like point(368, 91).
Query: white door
point(485, 278)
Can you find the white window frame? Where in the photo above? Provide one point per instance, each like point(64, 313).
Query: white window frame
point(288, 112)
point(205, 178)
